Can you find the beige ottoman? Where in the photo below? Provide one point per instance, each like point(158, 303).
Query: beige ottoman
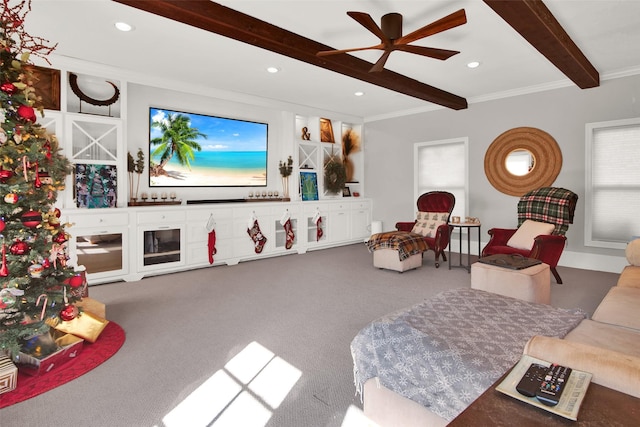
point(531, 284)
point(389, 259)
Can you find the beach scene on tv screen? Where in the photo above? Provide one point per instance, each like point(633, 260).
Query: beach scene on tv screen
point(195, 150)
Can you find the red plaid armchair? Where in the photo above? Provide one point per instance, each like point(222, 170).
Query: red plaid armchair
point(550, 205)
point(434, 201)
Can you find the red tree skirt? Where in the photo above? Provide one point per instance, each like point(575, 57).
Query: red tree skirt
point(92, 355)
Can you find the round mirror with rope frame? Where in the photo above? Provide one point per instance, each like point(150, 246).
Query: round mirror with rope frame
point(543, 149)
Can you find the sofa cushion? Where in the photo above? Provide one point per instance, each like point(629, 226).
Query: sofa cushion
point(427, 223)
point(630, 277)
point(524, 237)
point(610, 368)
point(632, 251)
point(620, 307)
point(602, 335)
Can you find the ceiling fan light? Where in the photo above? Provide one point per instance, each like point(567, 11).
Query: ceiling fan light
point(473, 64)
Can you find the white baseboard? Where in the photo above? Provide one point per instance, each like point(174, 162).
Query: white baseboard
point(585, 261)
point(608, 263)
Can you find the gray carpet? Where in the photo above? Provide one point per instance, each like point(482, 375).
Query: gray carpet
point(182, 329)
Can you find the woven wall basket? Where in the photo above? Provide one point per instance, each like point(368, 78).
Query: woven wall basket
point(547, 160)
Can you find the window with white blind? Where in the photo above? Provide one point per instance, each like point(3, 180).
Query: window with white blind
point(612, 183)
point(442, 166)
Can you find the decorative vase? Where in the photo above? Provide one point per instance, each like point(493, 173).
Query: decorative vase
point(285, 187)
point(349, 168)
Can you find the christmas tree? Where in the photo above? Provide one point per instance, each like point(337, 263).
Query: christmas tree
point(35, 280)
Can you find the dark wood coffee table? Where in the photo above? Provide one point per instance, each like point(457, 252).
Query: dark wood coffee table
point(602, 406)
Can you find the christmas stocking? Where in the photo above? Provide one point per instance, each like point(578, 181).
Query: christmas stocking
point(288, 228)
point(256, 235)
point(211, 228)
point(318, 220)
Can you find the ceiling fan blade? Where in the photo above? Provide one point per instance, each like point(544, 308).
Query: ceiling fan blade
point(431, 52)
point(355, 49)
point(367, 21)
point(450, 21)
point(379, 66)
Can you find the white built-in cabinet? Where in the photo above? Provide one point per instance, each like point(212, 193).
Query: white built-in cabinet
point(311, 135)
point(131, 243)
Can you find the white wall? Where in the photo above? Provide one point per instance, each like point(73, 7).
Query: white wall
point(562, 113)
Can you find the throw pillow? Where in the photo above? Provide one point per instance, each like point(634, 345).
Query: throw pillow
point(633, 252)
point(524, 236)
point(427, 223)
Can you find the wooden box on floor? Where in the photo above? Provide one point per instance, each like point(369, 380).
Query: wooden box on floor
point(8, 375)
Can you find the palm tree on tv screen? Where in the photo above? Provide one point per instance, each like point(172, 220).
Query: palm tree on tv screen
point(178, 138)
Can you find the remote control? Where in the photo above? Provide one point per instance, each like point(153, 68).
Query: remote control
point(553, 385)
point(530, 383)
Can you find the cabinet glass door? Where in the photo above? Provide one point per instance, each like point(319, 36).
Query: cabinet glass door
point(100, 253)
point(162, 246)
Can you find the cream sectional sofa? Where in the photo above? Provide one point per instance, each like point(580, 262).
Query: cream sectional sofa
point(607, 345)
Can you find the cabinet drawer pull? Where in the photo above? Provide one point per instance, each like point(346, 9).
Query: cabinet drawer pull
point(163, 227)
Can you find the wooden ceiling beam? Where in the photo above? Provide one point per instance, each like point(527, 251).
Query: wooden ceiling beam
point(218, 19)
point(533, 20)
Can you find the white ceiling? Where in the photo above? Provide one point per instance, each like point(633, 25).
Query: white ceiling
point(607, 32)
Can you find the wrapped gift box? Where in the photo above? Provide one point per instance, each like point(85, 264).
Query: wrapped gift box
point(8, 375)
point(92, 306)
point(69, 347)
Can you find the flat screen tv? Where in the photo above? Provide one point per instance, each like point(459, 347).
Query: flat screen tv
point(196, 150)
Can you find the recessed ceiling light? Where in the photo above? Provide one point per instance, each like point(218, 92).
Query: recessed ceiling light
point(359, 93)
point(123, 26)
point(473, 64)
point(273, 70)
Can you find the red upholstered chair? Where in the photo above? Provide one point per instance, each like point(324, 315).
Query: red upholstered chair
point(434, 201)
point(551, 205)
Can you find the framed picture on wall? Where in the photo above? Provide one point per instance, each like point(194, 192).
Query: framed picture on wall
point(309, 186)
point(326, 131)
point(47, 85)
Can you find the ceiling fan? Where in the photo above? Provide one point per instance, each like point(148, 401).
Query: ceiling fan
point(391, 38)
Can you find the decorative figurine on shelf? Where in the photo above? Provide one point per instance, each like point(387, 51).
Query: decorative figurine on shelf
point(135, 167)
point(285, 171)
point(306, 135)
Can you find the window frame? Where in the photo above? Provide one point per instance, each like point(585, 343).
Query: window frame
point(416, 184)
point(590, 129)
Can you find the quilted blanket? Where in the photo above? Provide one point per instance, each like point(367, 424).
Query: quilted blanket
point(405, 242)
point(446, 351)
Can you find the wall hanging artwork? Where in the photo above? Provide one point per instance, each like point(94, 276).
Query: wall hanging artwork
point(308, 186)
point(96, 186)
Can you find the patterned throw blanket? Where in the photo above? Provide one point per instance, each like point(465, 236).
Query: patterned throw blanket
point(405, 242)
point(548, 204)
point(446, 351)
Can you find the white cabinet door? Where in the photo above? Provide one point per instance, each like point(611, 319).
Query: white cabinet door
point(360, 220)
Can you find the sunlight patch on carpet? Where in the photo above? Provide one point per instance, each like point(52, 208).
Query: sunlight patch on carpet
point(246, 392)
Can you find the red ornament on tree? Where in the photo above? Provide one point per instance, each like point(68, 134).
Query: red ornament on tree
point(27, 113)
point(8, 88)
point(31, 219)
point(69, 312)
point(47, 148)
point(5, 175)
point(19, 248)
point(60, 237)
point(4, 270)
